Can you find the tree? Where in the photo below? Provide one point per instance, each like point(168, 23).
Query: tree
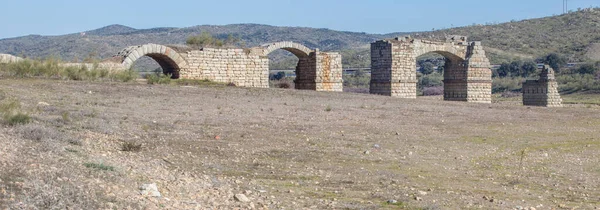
point(587, 68)
point(528, 68)
point(555, 61)
point(440, 69)
point(515, 68)
point(427, 68)
point(504, 70)
point(202, 40)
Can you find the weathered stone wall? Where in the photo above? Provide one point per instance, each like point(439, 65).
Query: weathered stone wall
point(467, 74)
point(227, 65)
point(321, 71)
point(328, 71)
point(6, 58)
point(542, 92)
point(381, 68)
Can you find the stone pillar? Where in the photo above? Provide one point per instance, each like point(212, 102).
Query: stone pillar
point(479, 75)
point(393, 69)
point(320, 71)
point(455, 80)
point(306, 73)
point(542, 92)
point(381, 68)
point(329, 72)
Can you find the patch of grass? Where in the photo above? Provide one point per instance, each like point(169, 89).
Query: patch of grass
point(158, 78)
point(131, 147)
point(196, 82)
point(328, 108)
point(99, 166)
point(17, 119)
point(124, 76)
point(12, 115)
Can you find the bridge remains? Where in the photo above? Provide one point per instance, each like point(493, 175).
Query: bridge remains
point(316, 70)
point(542, 92)
point(6, 58)
point(467, 74)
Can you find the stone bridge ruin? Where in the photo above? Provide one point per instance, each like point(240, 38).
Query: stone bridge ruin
point(467, 74)
point(316, 70)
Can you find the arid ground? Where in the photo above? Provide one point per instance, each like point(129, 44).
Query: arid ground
point(91, 145)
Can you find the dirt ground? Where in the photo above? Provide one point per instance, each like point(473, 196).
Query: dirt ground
point(289, 149)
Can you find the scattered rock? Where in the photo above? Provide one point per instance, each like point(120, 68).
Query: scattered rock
point(367, 152)
point(150, 190)
point(217, 137)
point(241, 198)
point(417, 198)
point(41, 103)
point(422, 193)
point(392, 201)
point(376, 146)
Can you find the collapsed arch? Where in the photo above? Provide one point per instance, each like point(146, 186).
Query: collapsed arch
point(168, 59)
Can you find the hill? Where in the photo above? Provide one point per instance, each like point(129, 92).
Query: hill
point(574, 35)
point(104, 42)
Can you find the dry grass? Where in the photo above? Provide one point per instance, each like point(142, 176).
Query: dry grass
point(283, 149)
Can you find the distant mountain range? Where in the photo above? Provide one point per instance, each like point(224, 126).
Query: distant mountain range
point(106, 41)
point(574, 35)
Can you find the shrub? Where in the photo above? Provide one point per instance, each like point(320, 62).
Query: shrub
point(503, 84)
point(17, 119)
point(124, 76)
point(283, 84)
point(158, 78)
point(37, 132)
point(433, 91)
point(131, 147)
point(12, 115)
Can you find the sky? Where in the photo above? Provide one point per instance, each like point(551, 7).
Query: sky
point(58, 17)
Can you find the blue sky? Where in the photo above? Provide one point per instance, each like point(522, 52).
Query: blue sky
point(57, 17)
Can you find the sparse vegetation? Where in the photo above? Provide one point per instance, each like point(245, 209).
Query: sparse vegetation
point(205, 39)
point(131, 147)
point(158, 78)
point(12, 113)
point(53, 69)
point(99, 166)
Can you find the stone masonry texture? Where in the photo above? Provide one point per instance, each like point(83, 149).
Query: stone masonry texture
point(542, 92)
point(467, 74)
point(316, 70)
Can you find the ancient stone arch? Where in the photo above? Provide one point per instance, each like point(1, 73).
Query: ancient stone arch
point(314, 68)
point(467, 74)
point(169, 60)
point(299, 50)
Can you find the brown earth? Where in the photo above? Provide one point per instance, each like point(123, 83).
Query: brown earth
point(289, 149)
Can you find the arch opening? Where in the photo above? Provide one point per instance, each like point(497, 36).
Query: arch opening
point(287, 71)
point(439, 73)
point(156, 64)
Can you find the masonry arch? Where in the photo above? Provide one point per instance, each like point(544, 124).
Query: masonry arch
point(466, 77)
point(305, 70)
point(451, 71)
point(169, 60)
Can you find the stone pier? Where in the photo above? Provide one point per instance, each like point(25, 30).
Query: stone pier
point(542, 92)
